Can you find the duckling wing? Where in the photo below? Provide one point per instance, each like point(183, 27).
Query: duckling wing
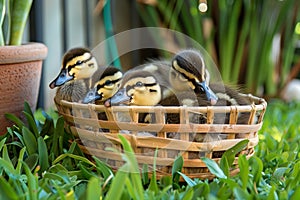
point(73, 91)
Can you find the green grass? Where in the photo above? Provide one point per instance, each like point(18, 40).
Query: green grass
point(38, 162)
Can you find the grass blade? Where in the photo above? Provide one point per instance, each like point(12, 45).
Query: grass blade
point(29, 140)
point(134, 168)
point(6, 190)
point(177, 166)
point(244, 170)
point(117, 186)
point(21, 157)
point(93, 189)
point(2, 143)
point(43, 154)
point(13, 118)
point(32, 183)
point(31, 123)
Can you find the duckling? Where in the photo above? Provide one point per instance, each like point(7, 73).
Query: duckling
point(106, 86)
point(158, 70)
point(137, 87)
point(78, 66)
point(189, 73)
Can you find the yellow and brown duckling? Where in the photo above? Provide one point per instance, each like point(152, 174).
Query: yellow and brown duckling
point(106, 86)
point(189, 73)
point(144, 85)
point(74, 79)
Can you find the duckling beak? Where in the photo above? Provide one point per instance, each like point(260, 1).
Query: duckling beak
point(120, 97)
point(92, 96)
point(210, 95)
point(62, 78)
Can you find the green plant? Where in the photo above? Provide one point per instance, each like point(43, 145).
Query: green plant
point(13, 17)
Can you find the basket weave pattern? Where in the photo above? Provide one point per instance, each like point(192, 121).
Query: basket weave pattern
point(97, 127)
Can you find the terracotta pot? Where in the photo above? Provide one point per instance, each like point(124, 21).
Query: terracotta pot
point(20, 74)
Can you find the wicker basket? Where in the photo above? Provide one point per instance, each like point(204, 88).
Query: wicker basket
point(96, 129)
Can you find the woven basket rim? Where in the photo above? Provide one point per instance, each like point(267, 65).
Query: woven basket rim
point(260, 103)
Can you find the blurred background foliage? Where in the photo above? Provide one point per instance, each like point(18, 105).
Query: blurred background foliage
point(253, 43)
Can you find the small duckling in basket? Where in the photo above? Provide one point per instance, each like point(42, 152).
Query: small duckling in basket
point(144, 85)
point(189, 68)
point(74, 78)
point(106, 86)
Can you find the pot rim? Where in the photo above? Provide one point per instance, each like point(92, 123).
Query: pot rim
point(32, 51)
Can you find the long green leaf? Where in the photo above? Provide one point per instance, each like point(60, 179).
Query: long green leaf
point(32, 183)
point(256, 168)
point(2, 14)
point(117, 187)
point(21, 157)
point(19, 16)
point(153, 183)
point(93, 189)
point(134, 168)
point(244, 170)
point(6, 190)
point(2, 142)
point(76, 157)
point(103, 168)
point(43, 154)
point(177, 166)
point(30, 141)
point(6, 26)
point(214, 168)
point(5, 155)
point(27, 109)
point(7, 166)
point(187, 179)
point(231, 152)
point(15, 120)
point(31, 123)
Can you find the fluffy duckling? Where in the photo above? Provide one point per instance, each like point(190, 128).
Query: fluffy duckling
point(106, 86)
point(74, 79)
point(138, 88)
point(189, 73)
point(146, 85)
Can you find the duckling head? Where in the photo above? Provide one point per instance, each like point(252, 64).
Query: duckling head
point(137, 88)
point(106, 87)
point(189, 72)
point(77, 64)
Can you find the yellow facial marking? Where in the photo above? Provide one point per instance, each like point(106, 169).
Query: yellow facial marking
point(188, 74)
point(82, 66)
point(108, 90)
point(77, 60)
point(144, 91)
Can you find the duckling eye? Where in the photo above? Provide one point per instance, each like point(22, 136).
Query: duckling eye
point(139, 84)
point(202, 89)
point(108, 82)
point(79, 62)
